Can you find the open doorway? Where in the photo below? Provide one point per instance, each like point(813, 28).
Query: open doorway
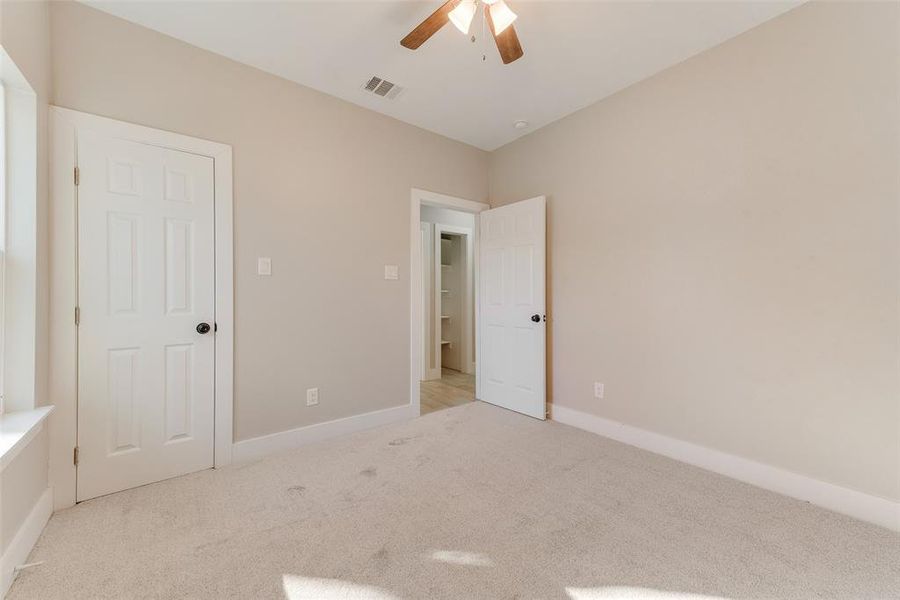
point(443, 301)
point(448, 308)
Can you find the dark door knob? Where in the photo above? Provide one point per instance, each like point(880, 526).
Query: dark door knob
point(203, 328)
point(536, 318)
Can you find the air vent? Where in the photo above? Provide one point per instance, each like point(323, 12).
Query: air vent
point(373, 83)
point(382, 87)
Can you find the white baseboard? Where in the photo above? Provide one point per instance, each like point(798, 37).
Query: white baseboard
point(865, 507)
point(24, 540)
point(286, 440)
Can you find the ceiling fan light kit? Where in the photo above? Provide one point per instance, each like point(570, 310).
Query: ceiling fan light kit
point(501, 15)
point(462, 15)
point(498, 15)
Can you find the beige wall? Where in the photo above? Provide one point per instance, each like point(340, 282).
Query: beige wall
point(723, 243)
point(321, 186)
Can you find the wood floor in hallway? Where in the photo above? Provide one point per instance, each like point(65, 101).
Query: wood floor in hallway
point(452, 389)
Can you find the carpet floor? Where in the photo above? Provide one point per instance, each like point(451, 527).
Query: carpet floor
point(468, 502)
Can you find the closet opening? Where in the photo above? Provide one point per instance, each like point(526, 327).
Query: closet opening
point(448, 303)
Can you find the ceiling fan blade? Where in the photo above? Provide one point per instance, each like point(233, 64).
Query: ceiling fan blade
point(429, 26)
point(507, 42)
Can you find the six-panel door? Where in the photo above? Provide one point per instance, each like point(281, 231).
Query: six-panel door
point(512, 250)
point(146, 268)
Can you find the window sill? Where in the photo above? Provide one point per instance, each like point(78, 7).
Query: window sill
point(17, 428)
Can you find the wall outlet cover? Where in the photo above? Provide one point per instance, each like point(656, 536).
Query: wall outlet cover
point(391, 272)
point(263, 265)
point(312, 396)
point(598, 389)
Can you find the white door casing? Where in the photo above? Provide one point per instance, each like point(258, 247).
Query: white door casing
point(146, 279)
point(512, 338)
point(431, 367)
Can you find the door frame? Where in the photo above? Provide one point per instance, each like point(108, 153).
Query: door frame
point(419, 197)
point(63, 388)
point(427, 248)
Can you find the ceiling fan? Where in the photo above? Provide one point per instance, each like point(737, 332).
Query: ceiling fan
point(498, 15)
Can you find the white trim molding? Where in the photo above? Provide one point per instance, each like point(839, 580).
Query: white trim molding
point(864, 507)
point(17, 429)
point(417, 199)
point(430, 370)
point(258, 447)
point(64, 125)
point(25, 539)
point(21, 286)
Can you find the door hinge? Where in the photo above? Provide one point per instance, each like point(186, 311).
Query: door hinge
point(77, 176)
point(75, 456)
point(77, 316)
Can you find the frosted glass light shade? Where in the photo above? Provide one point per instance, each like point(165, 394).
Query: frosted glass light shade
point(501, 15)
point(462, 15)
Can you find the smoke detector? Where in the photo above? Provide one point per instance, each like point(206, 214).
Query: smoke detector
point(382, 87)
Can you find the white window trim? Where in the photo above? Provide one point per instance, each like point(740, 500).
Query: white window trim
point(17, 429)
point(2, 245)
point(20, 172)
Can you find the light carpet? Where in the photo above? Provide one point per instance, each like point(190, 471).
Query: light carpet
point(468, 502)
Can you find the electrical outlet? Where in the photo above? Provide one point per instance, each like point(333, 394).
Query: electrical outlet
point(598, 390)
point(391, 272)
point(312, 396)
point(263, 265)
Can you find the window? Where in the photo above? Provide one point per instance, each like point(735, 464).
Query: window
point(2, 233)
point(18, 239)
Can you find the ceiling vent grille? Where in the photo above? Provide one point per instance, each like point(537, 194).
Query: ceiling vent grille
point(382, 87)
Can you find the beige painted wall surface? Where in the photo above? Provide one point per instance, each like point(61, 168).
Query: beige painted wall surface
point(723, 243)
point(321, 186)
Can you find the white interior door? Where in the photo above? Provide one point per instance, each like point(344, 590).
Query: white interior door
point(146, 269)
point(512, 252)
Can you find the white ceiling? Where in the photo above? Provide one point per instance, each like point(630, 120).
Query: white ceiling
point(575, 52)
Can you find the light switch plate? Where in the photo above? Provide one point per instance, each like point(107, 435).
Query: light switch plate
point(391, 272)
point(312, 396)
point(263, 265)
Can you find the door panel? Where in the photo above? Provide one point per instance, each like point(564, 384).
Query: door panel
point(513, 346)
point(146, 265)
